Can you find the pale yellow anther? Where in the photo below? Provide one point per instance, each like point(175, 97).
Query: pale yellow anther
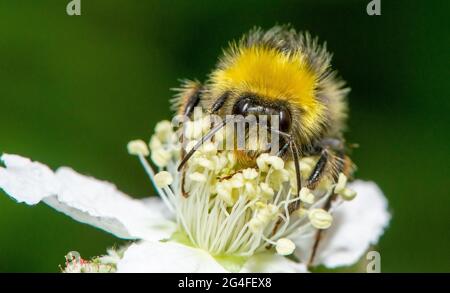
point(155, 143)
point(164, 130)
point(276, 162)
point(163, 179)
point(305, 168)
point(320, 218)
point(225, 192)
point(161, 157)
point(197, 177)
point(193, 129)
point(138, 147)
point(325, 183)
point(250, 190)
point(256, 225)
point(205, 123)
point(340, 186)
point(263, 216)
point(231, 158)
point(163, 126)
point(249, 174)
point(308, 161)
point(209, 148)
point(285, 246)
point(348, 194)
point(306, 195)
point(190, 145)
point(220, 135)
point(220, 163)
point(270, 211)
point(301, 212)
point(278, 177)
point(205, 163)
point(266, 192)
point(237, 181)
point(262, 162)
point(260, 205)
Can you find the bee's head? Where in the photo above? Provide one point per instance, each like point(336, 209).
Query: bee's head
point(247, 105)
point(283, 73)
point(267, 81)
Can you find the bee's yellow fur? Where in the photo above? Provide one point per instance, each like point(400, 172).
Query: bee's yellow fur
point(274, 75)
point(279, 66)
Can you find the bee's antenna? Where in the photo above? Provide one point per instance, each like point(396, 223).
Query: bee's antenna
point(205, 138)
point(294, 150)
point(295, 153)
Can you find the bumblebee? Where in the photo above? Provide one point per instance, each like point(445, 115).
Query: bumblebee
point(284, 72)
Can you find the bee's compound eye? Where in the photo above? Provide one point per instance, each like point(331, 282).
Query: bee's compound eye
point(285, 120)
point(241, 107)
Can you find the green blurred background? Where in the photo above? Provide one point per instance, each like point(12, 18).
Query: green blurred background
point(74, 90)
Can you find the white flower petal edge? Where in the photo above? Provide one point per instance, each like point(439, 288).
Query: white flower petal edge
point(357, 224)
point(171, 257)
point(167, 257)
point(83, 198)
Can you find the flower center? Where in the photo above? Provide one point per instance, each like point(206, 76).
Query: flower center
point(227, 210)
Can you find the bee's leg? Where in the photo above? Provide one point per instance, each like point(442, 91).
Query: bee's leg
point(218, 104)
point(188, 99)
point(192, 100)
point(318, 173)
point(319, 232)
point(295, 153)
point(282, 151)
point(332, 159)
point(319, 169)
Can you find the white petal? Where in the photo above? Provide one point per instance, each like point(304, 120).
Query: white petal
point(157, 204)
point(27, 181)
point(83, 198)
point(272, 263)
point(167, 257)
point(357, 224)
